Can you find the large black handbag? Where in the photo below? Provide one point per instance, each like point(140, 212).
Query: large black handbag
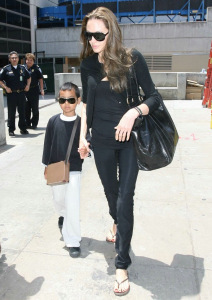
point(155, 138)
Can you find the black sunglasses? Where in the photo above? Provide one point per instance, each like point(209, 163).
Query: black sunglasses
point(71, 100)
point(99, 36)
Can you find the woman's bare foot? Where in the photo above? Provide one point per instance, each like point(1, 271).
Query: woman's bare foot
point(111, 236)
point(121, 286)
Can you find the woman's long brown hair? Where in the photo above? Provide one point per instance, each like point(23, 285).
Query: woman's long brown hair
point(116, 58)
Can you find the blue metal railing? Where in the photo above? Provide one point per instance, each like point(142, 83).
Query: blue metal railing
point(74, 11)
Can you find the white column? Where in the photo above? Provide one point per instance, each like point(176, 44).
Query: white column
point(33, 24)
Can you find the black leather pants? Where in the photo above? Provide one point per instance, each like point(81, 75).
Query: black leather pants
point(119, 191)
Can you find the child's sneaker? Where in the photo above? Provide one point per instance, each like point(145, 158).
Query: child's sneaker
point(60, 222)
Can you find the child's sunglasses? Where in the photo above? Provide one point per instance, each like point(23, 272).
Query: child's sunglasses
point(99, 36)
point(71, 100)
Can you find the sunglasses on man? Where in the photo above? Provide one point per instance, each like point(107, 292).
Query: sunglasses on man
point(99, 36)
point(71, 100)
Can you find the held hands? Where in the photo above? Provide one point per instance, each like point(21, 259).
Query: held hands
point(83, 148)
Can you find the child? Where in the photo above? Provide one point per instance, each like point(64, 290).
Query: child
point(66, 197)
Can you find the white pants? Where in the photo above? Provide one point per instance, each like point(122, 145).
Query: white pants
point(66, 198)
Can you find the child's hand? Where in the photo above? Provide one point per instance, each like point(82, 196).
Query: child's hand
point(84, 150)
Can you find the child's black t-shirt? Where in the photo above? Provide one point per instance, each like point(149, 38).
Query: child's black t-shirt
point(58, 133)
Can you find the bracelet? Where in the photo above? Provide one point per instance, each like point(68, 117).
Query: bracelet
point(138, 110)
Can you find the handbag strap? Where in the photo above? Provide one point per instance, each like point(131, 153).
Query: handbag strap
point(162, 105)
point(71, 139)
point(130, 100)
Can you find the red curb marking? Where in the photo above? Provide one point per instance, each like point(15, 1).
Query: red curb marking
point(188, 138)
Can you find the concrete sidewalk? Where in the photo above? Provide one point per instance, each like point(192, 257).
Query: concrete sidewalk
point(171, 246)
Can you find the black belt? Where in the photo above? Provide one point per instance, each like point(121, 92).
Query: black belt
point(17, 91)
point(34, 86)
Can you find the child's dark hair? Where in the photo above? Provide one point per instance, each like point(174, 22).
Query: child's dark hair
point(67, 86)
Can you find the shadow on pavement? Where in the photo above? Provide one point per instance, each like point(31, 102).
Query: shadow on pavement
point(14, 286)
point(183, 277)
point(41, 128)
point(30, 135)
point(6, 147)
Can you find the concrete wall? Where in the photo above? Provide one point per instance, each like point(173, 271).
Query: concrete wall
point(188, 42)
point(45, 3)
point(2, 120)
point(172, 86)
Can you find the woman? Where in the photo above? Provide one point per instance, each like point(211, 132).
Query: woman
point(105, 75)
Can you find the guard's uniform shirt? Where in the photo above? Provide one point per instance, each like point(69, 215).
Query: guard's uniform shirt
point(36, 74)
point(15, 78)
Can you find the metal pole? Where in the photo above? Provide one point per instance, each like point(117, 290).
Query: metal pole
point(73, 3)
point(189, 7)
point(154, 12)
point(203, 10)
point(117, 7)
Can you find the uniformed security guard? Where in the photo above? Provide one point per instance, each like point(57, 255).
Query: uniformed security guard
point(32, 104)
point(15, 79)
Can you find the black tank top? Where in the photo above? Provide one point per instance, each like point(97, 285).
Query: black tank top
point(107, 113)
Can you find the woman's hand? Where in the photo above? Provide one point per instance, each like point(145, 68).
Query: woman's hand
point(123, 129)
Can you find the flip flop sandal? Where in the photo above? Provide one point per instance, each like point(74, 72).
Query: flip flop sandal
point(124, 292)
point(112, 238)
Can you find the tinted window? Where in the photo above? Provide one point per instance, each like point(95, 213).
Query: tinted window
point(3, 31)
point(3, 16)
point(25, 22)
point(14, 33)
point(13, 19)
point(13, 46)
point(3, 46)
point(59, 60)
point(13, 5)
point(26, 36)
point(2, 3)
point(26, 48)
point(25, 9)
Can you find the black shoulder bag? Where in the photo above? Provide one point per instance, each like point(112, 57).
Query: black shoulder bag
point(154, 136)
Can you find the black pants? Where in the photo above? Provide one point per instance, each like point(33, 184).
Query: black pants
point(119, 191)
point(32, 107)
point(16, 100)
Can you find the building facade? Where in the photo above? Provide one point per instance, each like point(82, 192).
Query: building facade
point(167, 46)
point(173, 47)
point(18, 22)
point(15, 32)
